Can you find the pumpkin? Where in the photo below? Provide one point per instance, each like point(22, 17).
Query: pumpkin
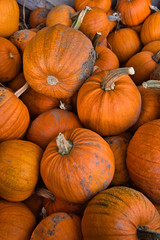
point(60, 14)
point(59, 226)
point(119, 145)
point(38, 17)
point(21, 38)
point(116, 99)
point(133, 12)
point(10, 60)
point(150, 106)
point(9, 18)
point(87, 162)
point(155, 74)
point(14, 115)
point(48, 124)
point(113, 18)
point(19, 169)
point(61, 61)
point(120, 213)
point(124, 42)
point(143, 63)
point(152, 46)
point(150, 30)
point(103, 4)
point(143, 157)
point(17, 221)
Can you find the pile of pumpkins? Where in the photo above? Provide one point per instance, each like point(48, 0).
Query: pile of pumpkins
point(80, 121)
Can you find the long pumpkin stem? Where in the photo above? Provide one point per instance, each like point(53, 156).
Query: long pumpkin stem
point(108, 82)
point(143, 232)
point(76, 24)
point(155, 84)
point(154, 8)
point(43, 192)
point(20, 91)
point(156, 57)
point(95, 42)
point(64, 146)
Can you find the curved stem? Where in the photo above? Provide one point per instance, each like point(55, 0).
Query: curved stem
point(20, 91)
point(108, 82)
point(143, 232)
point(64, 146)
point(155, 84)
point(43, 192)
point(156, 57)
point(76, 24)
point(95, 42)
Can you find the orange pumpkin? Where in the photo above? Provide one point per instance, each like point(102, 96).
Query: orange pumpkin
point(87, 162)
point(10, 60)
point(59, 226)
point(9, 17)
point(152, 46)
point(116, 99)
point(103, 4)
point(38, 17)
point(17, 221)
point(60, 14)
point(133, 12)
point(61, 61)
point(19, 169)
point(14, 115)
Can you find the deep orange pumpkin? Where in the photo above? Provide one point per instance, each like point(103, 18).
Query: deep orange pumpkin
point(17, 221)
point(109, 103)
point(10, 60)
point(143, 159)
point(9, 17)
point(119, 213)
point(103, 4)
point(58, 60)
point(38, 17)
point(19, 169)
point(152, 46)
point(87, 162)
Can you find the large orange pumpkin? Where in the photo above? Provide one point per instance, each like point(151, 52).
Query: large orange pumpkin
point(120, 213)
point(109, 103)
point(17, 221)
point(77, 164)
point(58, 60)
point(19, 169)
point(9, 17)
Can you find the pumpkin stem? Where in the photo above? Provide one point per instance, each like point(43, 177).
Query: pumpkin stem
point(43, 192)
point(76, 24)
point(108, 82)
point(143, 232)
point(156, 57)
point(64, 146)
point(155, 84)
point(11, 55)
point(43, 213)
point(20, 91)
point(64, 106)
point(95, 42)
point(51, 80)
point(154, 8)
point(114, 17)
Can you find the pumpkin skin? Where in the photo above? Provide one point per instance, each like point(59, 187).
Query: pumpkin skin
point(133, 12)
point(152, 46)
point(150, 30)
point(48, 124)
point(117, 117)
point(10, 60)
point(19, 169)
point(14, 116)
point(124, 42)
point(83, 175)
point(59, 59)
point(150, 106)
point(21, 38)
point(143, 156)
point(59, 226)
point(38, 17)
point(9, 18)
point(60, 14)
point(116, 213)
point(103, 4)
point(17, 221)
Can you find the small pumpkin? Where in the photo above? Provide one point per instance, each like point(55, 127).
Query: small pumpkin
point(87, 162)
point(119, 213)
point(17, 221)
point(9, 18)
point(103, 4)
point(19, 169)
point(152, 46)
point(38, 17)
point(59, 226)
point(10, 60)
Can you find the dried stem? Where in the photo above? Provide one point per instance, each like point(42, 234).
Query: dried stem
point(43, 192)
point(64, 146)
point(143, 232)
point(155, 84)
point(76, 24)
point(24, 14)
point(156, 57)
point(20, 91)
point(154, 8)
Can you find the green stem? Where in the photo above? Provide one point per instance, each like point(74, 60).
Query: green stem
point(144, 233)
point(155, 84)
point(76, 24)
